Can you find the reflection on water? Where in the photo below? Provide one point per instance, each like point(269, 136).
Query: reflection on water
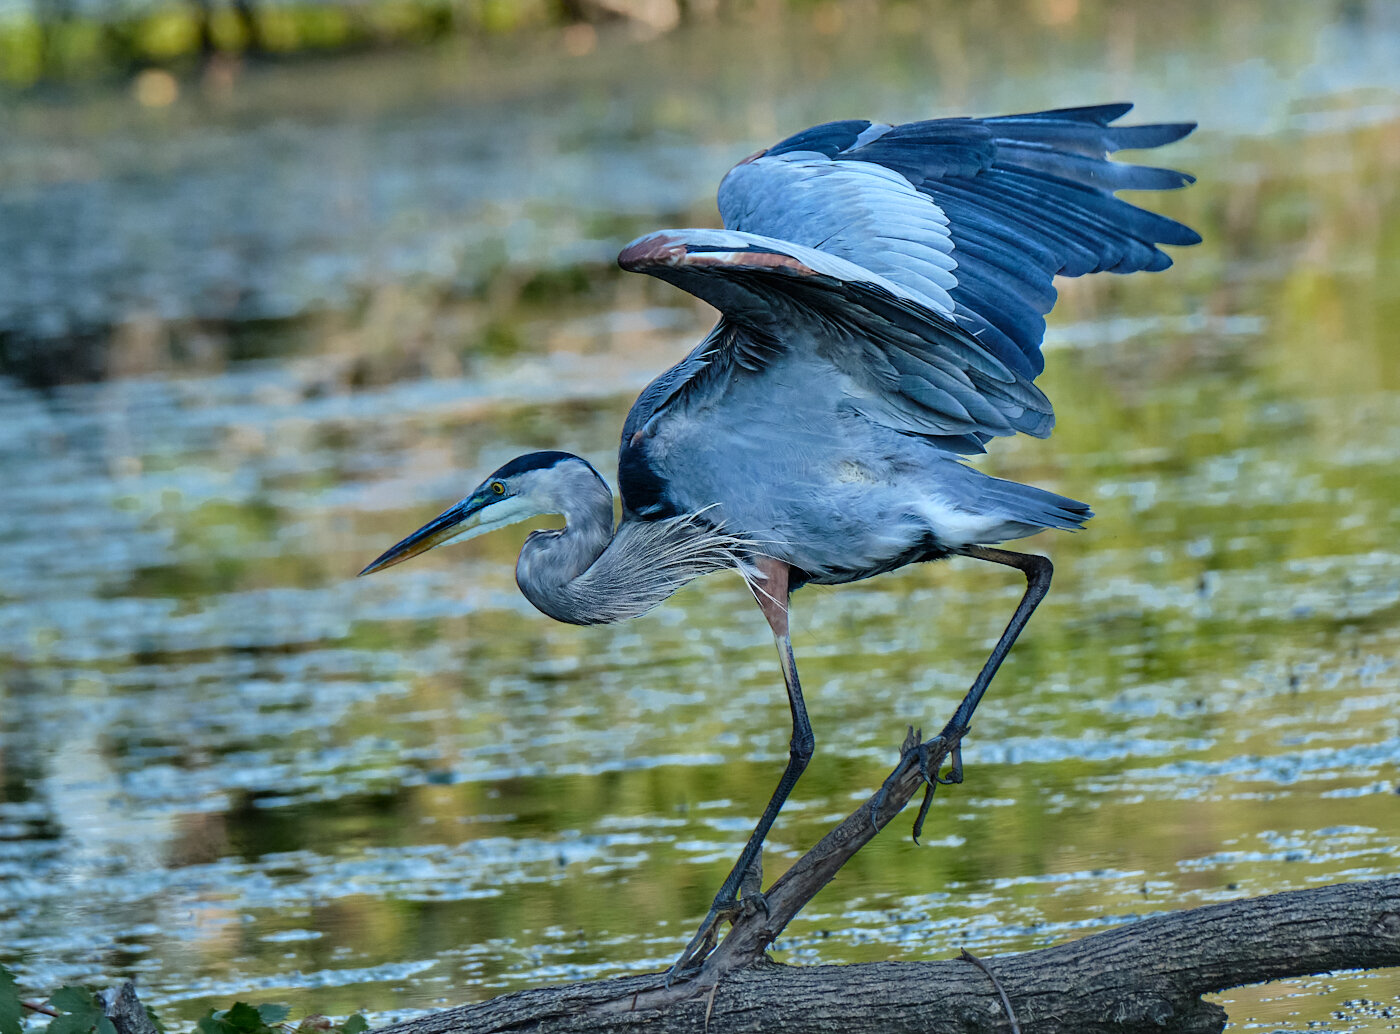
point(232, 770)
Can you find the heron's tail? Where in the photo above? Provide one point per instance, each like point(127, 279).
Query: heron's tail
point(1026, 509)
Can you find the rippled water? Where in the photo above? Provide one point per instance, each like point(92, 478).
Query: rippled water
point(229, 768)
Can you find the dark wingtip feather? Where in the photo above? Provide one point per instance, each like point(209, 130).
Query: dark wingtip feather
point(1155, 134)
point(1177, 234)
point(1097, 114)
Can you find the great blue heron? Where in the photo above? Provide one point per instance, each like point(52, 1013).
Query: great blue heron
point(881, 292)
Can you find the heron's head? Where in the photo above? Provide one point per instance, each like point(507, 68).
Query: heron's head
point(527, 486)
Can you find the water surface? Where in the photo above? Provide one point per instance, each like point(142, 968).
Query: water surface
point(302, 320)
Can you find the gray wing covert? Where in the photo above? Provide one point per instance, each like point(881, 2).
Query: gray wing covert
point(976, 215)
point(907, 364)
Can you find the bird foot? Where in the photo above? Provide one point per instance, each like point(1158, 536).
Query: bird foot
point(917, 751)
point(740, 896)
point(698, 949)
point(707, 936)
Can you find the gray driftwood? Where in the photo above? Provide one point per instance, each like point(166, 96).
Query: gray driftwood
point(1145, 976)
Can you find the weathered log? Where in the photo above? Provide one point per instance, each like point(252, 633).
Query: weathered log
point(1145, 976)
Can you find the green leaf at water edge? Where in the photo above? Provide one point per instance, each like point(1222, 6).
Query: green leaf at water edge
point(74, 999)
point(271, 1013)
point(9, 1003)
point(81, 1013)
point(241, 1016)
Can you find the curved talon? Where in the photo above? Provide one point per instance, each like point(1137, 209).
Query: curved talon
point(707, 936)
point(924, 751)
point(910, 747)
point(923, 813)
point(955, 771)
point(699, 947)
point(754, 902)
point(878, 801)
point(916, 750)
point(932, 780)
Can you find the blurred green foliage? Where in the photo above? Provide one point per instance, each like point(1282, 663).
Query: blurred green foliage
point(78, 1010)
point(10, 1008)
point(53, 42)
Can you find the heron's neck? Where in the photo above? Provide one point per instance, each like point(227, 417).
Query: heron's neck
point(553, 561)
point(585, 574)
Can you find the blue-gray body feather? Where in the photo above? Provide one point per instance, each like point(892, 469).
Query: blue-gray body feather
point(786, 458)
point(882, 292)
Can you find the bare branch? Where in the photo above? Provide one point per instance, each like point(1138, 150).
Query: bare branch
point(1148, 975)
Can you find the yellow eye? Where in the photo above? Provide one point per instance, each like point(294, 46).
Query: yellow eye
point(498, 488)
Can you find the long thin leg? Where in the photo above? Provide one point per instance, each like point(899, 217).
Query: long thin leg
point(1038, 571)
point(772, 598)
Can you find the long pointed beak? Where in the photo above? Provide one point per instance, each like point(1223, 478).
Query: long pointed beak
point(461, 520)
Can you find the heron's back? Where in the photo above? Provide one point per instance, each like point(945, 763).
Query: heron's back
point(783, 457)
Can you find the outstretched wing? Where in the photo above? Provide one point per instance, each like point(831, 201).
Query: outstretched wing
point(919, 258)
point(908, 364)
point(978, 215)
